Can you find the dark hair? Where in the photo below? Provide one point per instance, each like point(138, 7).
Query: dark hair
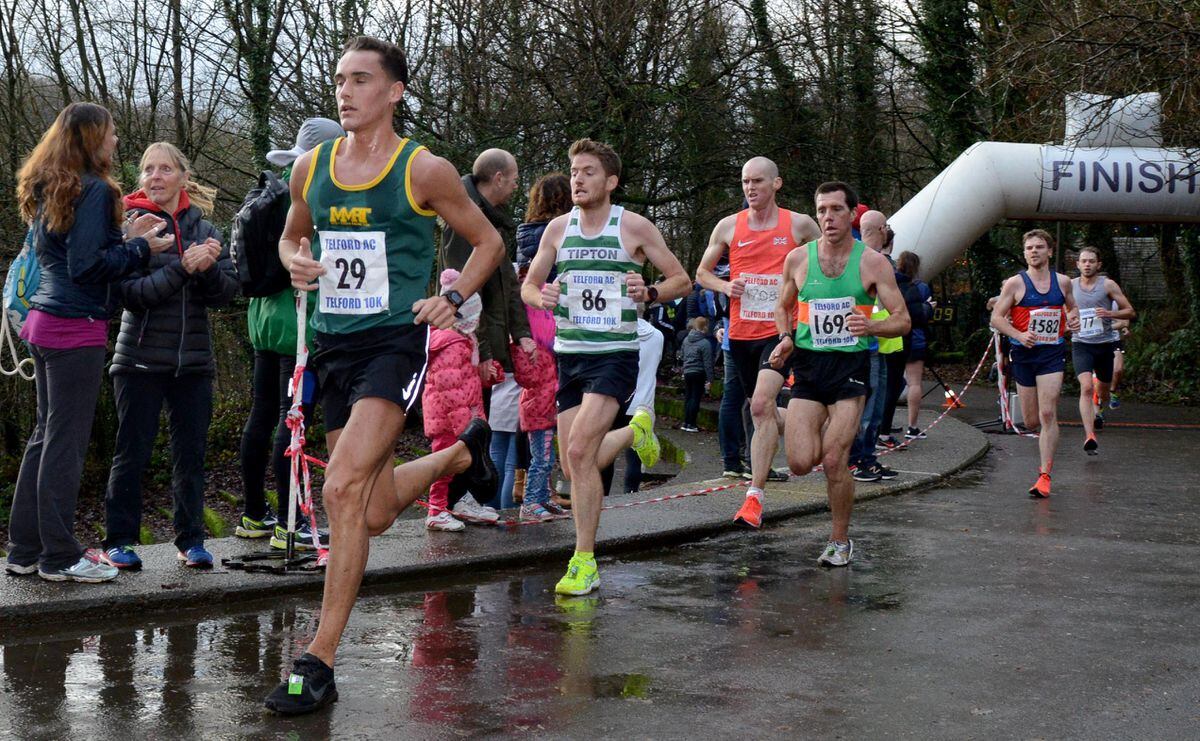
point(1039, 234)
point(909, 263)
point(392, 57)
point(834, 186)
point(609, 160)
point(1088, 248)
point(550, 196)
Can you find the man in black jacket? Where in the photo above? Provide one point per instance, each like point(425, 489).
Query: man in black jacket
point(491, 184)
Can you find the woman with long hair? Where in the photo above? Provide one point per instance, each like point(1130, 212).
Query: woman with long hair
point(66, 192)
point(164, 355)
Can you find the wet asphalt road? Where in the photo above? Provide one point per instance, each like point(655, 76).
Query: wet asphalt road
point(970, 611)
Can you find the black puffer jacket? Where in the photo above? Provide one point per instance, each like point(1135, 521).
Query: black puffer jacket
point(164, 328)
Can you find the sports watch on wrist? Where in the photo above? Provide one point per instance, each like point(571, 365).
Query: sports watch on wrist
point(455, 298)
point(651, 294)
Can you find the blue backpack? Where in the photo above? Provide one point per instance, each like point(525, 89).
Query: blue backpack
point(24, 274)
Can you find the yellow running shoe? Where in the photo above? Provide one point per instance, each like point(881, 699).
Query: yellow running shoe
point(645, 442)
point(581, 577)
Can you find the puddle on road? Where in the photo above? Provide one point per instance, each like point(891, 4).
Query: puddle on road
point(501, 656)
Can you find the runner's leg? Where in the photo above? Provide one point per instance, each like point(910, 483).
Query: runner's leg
point(1028, 397)
point(350, 480)
point(839, 434)
point(1049, 386)
point(588, 430)
point(802, 434)
point(1087, 410)
point(765, 442)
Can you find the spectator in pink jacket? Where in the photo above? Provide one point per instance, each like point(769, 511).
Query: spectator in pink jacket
point(453, 396)
point(537, 413)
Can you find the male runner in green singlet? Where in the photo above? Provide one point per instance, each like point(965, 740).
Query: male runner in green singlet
point(599, 250)
point(371, 199)
point(837, 282)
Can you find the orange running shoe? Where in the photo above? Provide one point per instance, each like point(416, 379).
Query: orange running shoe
point(1090, 446)
point(1041, 489)
point(751, 512)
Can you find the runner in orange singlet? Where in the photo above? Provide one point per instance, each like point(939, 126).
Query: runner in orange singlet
point(758, 240)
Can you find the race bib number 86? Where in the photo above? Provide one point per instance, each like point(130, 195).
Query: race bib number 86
point(356, 273)
point(593, 299)
point(828, 321)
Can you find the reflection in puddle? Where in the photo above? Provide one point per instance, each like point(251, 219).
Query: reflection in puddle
point(503, 656)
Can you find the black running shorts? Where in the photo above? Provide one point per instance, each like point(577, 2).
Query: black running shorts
point(384, 363)
point(750, 357)
point(1095, 358)
point(830, 377)
point(609, 374)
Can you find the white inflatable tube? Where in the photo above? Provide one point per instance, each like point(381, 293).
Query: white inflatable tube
point(993, 181)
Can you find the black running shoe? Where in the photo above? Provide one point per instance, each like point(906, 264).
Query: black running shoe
point(1090, 446)
point(774, 475)
point(866, 474)
point(884, 472)
point(1099, 422)
point(480, 477)
point(309, 687)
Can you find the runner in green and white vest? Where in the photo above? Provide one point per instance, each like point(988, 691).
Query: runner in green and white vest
point(599, 250)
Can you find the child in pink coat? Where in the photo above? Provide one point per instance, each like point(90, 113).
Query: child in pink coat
point(453, 396)
point(538, 377)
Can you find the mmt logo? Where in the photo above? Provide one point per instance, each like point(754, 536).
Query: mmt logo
point(348, 216)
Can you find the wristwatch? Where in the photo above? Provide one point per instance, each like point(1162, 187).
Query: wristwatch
point(455, 298)
point(785, 336)
point(651, 294)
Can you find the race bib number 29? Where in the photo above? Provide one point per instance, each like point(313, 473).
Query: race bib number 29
point(828, 321)
point(356, 273)
point(593, 299)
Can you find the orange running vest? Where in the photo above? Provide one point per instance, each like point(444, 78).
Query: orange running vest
point(757, 257)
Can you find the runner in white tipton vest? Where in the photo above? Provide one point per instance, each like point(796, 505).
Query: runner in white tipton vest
point(1094, 346)
point(599, 250)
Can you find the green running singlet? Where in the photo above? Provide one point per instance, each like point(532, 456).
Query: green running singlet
point(826, 303)
point(375, 242)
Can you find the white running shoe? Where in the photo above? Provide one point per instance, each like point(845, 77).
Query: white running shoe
point(837, 554)
point(444, 521)
point(468, 508)
point(90, 569)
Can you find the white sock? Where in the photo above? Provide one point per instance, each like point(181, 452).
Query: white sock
point(755, 492)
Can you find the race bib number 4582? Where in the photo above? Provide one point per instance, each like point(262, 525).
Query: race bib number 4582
point(356, 273)
point(593, 299)
point(1045, 325)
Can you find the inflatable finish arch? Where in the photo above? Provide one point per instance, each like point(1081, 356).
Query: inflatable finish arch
point(992, 181)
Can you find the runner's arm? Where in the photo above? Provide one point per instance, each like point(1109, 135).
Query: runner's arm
point(785, 305)
point(898, 322)
point(675, 281)
point(441, 190)
point(1004, 304)
point(1124, 307)
point(295, 249)
point(804, 228)
point(535, 291)
point(1069, 304)
point(718, 243)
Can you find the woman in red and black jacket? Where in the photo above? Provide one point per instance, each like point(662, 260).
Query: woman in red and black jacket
point(164, 354)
